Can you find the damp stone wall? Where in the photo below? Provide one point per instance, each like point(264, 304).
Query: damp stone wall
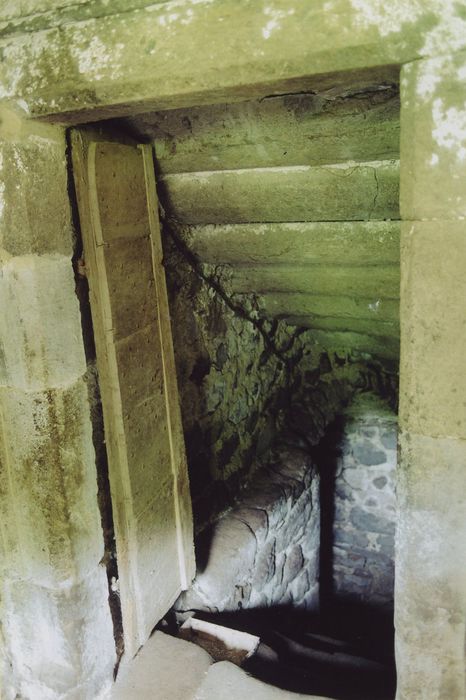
point(265, 550)
point(243, 379)
point(364, 509)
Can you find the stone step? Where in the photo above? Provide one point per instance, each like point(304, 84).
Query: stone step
point(169, 668)
point(357, 282)
point(310, 243)
point(300, 129)
point(350, 191)
point(166, 668)
point(225, 681)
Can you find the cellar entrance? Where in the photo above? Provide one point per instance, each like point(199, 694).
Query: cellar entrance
point(280, 230)
point(304, 561)
point(275, 133)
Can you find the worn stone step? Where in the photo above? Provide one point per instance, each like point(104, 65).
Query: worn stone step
point(345, 341)
point(379, 282)
point(319, 243)
point(287, 305)
point(348, 191)
point(369, 327)
point(300, 129)
point(166, 668)
point(225, 681)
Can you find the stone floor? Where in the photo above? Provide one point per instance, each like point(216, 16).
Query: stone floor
point(172, 669)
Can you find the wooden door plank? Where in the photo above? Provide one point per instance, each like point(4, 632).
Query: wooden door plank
point(178, 453)
point(150, 499)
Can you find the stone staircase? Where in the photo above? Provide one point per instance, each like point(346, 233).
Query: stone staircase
point(168, 668)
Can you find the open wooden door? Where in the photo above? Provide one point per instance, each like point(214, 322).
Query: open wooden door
point(118, 211)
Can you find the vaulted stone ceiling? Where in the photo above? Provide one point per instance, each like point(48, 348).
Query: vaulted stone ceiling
point(295, 199)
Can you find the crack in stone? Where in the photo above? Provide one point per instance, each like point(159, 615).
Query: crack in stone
point(376, 194)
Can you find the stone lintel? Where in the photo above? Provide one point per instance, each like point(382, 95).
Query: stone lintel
point(143, 59)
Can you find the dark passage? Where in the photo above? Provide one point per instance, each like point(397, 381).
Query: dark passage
point(340, 644)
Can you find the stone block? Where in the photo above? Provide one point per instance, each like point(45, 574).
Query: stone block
point(343, 490)
point(430, 583)
point(255, 518)
point(433, 138)
point(433, 322)
point(264, 569)
point(158, 665)
point(285, 194)
point(370, 522)
point(41, 344)
point(294, 563)
point(49, 486)
point(61, 643)
point(226, 681)
point(366, 453)
point(380, 482)
point(35, 207)
point(335, 243)
point(432, 475)
point(349, 537)
point(389, 439)
point(231, 560)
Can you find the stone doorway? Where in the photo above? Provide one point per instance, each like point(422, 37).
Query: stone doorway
point(67, 63)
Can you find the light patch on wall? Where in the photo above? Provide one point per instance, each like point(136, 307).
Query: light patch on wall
point(448, 28)
point(94, 59)
point(274, 23)
point(18, 158)
point(462, 72)
point(2, 188)
point(450, 128)
point(449, 32)
point(388, 18)
point(181, 4)
point(9, 86)
point(428, 78)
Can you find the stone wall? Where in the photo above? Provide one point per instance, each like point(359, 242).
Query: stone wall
point(265, 550)
point(56, 635)
point(364, 508)
point(231, 377)
point(243, 378)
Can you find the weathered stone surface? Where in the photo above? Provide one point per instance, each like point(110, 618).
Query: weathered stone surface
point(433, 286)
point(104, 63)
point(379, 347)
point(57, 633)
point(53, 525)
point(433, 139)
point(34, 15)
point(319, 243)
point(300, 129)
point(12, 9)
point(271, 560)
point(61, 642)
point(354, 281)
point(229, 682)
point(366, 453)
point(374, 523)
point(41, 343)
point(341, 192)
point(364, 512)
point(35, 214)
point(431, 574)
point(231, 559)
point(286, 305)
point(166, 668)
